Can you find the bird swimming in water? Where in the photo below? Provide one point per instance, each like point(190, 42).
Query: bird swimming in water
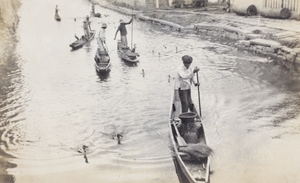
point(119, 138)
point(83, 149)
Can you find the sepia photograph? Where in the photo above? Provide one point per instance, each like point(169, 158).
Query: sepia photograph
point(149, 91)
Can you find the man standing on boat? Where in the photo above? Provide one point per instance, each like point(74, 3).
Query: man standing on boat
point(183, 81)
point(87, 27)
point(102, 51)
point(101, 40)
point(123, 32)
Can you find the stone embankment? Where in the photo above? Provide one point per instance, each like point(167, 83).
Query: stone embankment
point(8, 23)
point(276, 39)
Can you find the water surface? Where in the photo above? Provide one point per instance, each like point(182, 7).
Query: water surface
point(53, 103)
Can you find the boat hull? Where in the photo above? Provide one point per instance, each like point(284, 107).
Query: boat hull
point(102, 62)
point(126, 54)
point(124, 57)
point(82, 41)
point(98, 15)
point(102, 68)
point(194, 171)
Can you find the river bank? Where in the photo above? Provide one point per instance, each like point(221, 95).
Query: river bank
point(279, 40)
point(8, 23)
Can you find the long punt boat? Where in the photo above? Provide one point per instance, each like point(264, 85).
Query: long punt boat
point(126, 54)
point(82, 41)
point(187, 134)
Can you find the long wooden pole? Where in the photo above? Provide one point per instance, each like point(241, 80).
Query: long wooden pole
point(132, 31)
point(199, 95)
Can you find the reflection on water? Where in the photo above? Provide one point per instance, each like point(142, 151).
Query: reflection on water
point(60, 118)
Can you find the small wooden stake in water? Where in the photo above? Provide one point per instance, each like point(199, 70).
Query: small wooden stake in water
point(143, 72)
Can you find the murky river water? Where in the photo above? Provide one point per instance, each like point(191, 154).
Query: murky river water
point(53, 103)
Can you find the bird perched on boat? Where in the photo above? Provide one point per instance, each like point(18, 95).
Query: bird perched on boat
point(134, 48)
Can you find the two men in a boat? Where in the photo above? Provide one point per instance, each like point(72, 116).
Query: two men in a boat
point(123, 32)
point(87, 27)
point(183, 81)
point(102, 51)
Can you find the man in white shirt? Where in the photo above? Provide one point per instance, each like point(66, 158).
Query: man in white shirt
point(184, 79)
point(101, 40)
point(102, 51)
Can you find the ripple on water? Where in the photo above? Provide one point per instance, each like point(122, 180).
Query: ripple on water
point(52, 107)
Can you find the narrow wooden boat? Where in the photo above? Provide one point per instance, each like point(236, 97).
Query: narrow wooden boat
point(82, 41)
point(57, 17)
point(102, 62)
point(126, 54)
point(98, 15)
point(187, 134)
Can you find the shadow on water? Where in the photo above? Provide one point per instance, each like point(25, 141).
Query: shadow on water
point(129, 64)
point(9, 66)
point(272, 72)
point(103, 76)
point(4, 176)
point(4, 165)
point(4, 157)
